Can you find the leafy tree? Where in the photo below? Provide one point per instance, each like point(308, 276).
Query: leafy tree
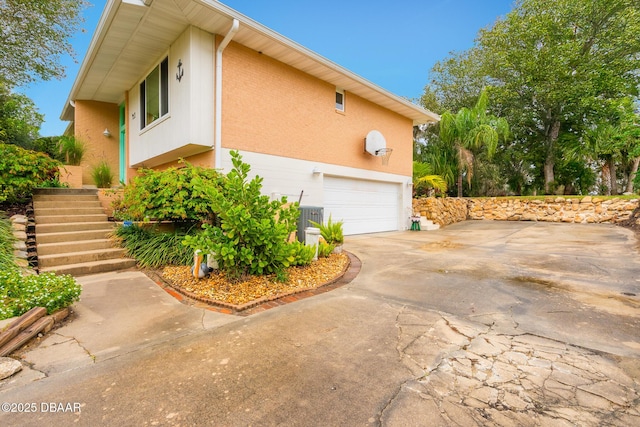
point(469, 131)
point(456, 82)
point(554, 70)
point(19, 119)
point(34, 36)
point(555, 65)
point(50, 145)
point(612, 142)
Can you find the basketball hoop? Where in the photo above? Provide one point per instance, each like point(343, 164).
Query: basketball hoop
point(385, 153)
point(376, 145)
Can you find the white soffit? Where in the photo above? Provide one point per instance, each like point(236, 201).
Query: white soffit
point(131, 38)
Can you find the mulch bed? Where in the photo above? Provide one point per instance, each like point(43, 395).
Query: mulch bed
point(237, 296)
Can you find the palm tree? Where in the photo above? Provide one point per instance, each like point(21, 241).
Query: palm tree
point(613, 146)
point(423, 176)
point(469, 131)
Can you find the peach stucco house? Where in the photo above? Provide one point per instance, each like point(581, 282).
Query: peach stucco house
point(194, 79)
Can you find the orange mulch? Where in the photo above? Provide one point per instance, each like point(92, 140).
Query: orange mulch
point(216, 287)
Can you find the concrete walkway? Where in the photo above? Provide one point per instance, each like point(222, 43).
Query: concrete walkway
point(480, 323)
point(119, 313)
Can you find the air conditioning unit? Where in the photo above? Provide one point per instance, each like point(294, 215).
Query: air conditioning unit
point(307, 213)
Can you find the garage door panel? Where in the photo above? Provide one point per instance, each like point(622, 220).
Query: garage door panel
point(364, 206)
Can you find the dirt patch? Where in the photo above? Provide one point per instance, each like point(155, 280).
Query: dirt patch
point(438, 246)
point(538, 282)
point(14, 209)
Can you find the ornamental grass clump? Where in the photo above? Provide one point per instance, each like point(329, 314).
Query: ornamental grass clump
point(102, 175)
point(152, 248)
point(72, 150)
point(331, 232)
point(6, 242)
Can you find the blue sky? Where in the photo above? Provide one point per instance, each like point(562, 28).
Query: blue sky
point(393, 44)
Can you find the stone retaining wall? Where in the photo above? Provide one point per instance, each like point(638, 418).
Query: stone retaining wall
point(586, 209)
point(442, 211)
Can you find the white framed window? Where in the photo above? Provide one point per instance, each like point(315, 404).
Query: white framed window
point(154, 94)
point(339, 99)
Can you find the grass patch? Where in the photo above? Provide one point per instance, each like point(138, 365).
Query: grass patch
point(6, 241)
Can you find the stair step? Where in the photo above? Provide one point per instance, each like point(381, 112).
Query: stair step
point(428, 225)
point(38, 206)
point(72, 233)
point(46, 204)
point(94, 267)
point(70, 236)
point(65, 198)
point(72, 226)
point(60, 248)
point(68, 211)
point(60, 219)
point(79, 257)
point(64, 191)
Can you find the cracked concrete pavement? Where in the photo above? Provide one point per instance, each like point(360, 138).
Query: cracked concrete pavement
point(467, 373)
point(480, 323)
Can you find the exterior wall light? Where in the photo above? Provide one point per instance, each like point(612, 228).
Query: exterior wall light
point(106, 133)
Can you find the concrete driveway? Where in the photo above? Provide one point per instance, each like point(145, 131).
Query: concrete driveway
point(480, 323)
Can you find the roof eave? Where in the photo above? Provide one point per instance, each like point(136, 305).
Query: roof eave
point(260, 37)
point(105, 18)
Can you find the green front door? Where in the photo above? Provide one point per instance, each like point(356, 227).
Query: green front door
point(122, 156)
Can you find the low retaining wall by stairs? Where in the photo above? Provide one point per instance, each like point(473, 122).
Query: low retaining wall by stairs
point(587, 209)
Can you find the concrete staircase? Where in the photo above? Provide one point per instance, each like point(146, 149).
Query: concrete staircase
point(428, 225)
point(72, 233)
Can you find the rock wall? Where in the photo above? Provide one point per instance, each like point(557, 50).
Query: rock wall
point(586, 209)
point(442, 211)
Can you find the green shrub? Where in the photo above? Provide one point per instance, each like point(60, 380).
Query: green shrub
point(23, 170)
point(250, 236)
point(168, 195)
point(53, 183)
point(72, 150)
point(325, 249)
point(303, 254)
point(49, 145)
point(19, 294)
point(152, 248)
point(102, 175)
point(331, 231)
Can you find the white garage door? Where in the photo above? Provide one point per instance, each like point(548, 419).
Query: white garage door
point(364, 206)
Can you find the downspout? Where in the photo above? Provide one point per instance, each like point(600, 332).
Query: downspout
point(218, 95)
